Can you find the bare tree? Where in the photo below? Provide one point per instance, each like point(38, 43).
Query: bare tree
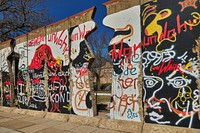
point(21, 16)
point(99, 44)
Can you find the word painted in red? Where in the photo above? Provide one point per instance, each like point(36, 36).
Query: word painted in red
point(163, 68)
point(60, 40)
point(170, 33)
point(126, 52)
point(37, 40)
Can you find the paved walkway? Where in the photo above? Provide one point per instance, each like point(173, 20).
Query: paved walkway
point(17, 123)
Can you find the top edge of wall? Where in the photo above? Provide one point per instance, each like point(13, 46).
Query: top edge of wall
point(20, 39)
point(65, 23)
point(71, 21)
point(5, 44)
point(114, 6)
point(145, 1)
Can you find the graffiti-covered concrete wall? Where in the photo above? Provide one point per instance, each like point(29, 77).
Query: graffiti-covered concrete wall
point(23, 91)
point(155, 54)
point(5, 81)
point(125, 51)
point(81, 57)
point(53, 67)
point(169, 61)
point(170, 30)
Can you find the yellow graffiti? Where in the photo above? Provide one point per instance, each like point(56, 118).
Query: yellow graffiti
point(183, 101)
point(87, 56)
point(59, 60)
point(187, 66)
point(196, 20)
point(154, 27)
point(148, 11)
point(68, 107)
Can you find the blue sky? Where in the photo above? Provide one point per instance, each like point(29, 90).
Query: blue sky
point(61, 9)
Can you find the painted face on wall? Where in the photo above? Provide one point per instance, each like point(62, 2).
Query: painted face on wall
point(170, 33)
point(181, 105)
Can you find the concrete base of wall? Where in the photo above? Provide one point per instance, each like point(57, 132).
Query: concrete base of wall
point(155, 128)
point(118, 125)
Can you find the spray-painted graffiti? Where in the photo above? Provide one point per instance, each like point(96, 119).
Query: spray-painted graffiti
point(58, 74)
point(81, 57)
point(4, 54)
point(47, 57)
point(125, 51)
point(6, 88)
point(169, 31)
point(57, 78)
point(37, 51)
point(44, 50)
point(22, 88)
point(6, 93)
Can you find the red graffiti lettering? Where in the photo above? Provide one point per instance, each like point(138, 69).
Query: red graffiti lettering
point(170, 34)
point(82, 82)
point(126, 100)
point(80, 34)
point(163, 68)
point(58, 40)
point(80, 100)
point(128, 82)
point(126, 52)
point(37, 40)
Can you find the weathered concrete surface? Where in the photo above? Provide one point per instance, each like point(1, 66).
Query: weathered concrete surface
point(33, 128)
point(45, 125)
point(5, 44)
point(120, 125)
point(50, 130)
point(6, 109)
point(155, 128)
point(19, 111)
point(84, 129)
point(68, 126)
point(114, 6)
point(198, 53)
point(105, 131)
point(144, 1)
point(36, 113)
point(93, 121)
point(57, 116)
point(38, 122)
point(7, 130)
point(16, 124)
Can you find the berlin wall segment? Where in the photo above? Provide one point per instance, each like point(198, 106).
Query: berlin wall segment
point(170, 63)
point(81, 56)
point(5, 76)
point(53, 50)
point(125, 51)
point(167, 31)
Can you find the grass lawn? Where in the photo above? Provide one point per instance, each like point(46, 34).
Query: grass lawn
point(103, 99)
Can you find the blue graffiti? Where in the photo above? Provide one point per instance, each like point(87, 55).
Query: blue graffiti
point(131, 115)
